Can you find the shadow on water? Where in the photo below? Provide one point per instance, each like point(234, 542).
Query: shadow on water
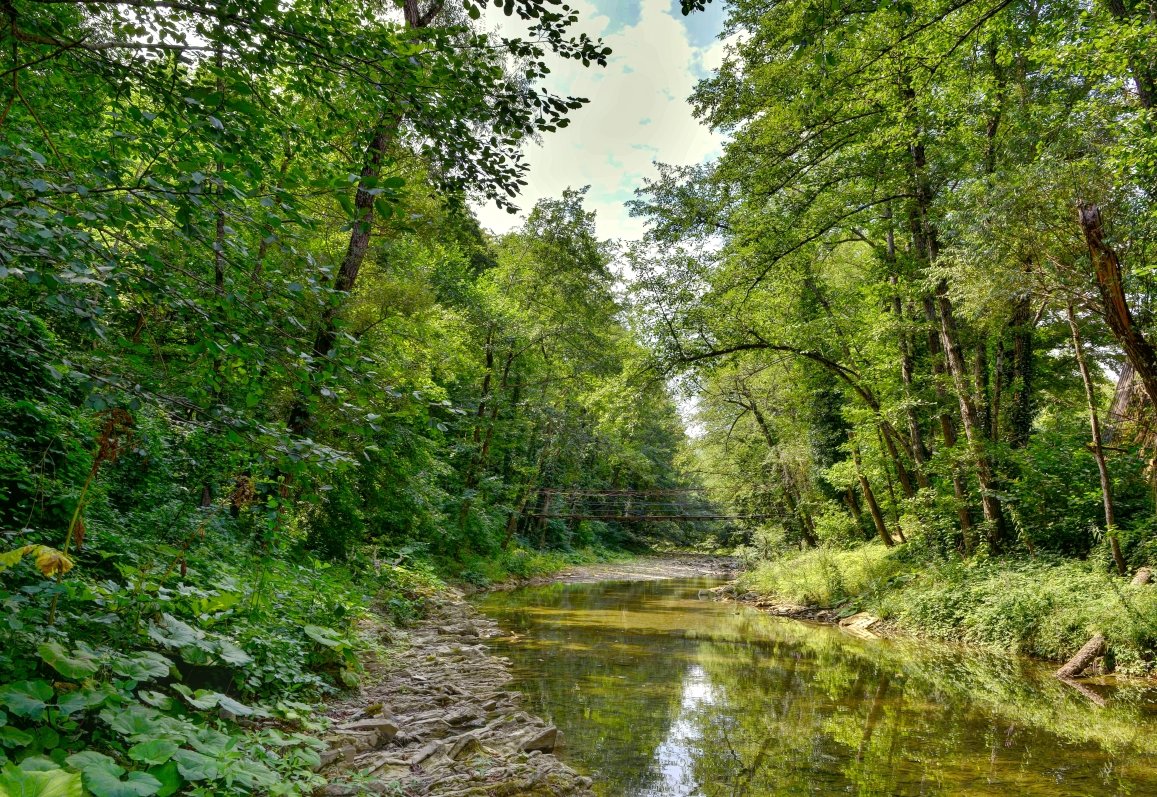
point(666, 695)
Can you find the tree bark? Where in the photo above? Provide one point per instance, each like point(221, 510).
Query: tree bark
point(973, 432)
point(870, 499)
point(1084, 657)
point(1020, 412)
point(1098, 449)
point(1114, 302)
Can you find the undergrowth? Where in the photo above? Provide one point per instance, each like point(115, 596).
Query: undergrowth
point(1045, 607)
point(151, 668)
point(521, 563)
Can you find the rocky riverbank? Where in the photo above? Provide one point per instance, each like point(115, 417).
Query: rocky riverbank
point(861, 624)
point(436, 718)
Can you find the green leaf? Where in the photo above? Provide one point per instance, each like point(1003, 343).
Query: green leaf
point(81, 699)
point(173, 633)
point(16, 782)
point(157, 699)
point(26, 698)
point(154, 752)
point(195, 766)
point(14, 737)
point(78, 664)
point(143, 666)
point(230, 653)
point(102, 777)
point(103, 783)
point(324, 636)
point(169, 777)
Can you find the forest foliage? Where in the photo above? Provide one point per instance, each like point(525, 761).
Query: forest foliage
point(262, 370)
point(912, 298)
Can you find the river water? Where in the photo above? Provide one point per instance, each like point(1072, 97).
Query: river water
point(666, 695)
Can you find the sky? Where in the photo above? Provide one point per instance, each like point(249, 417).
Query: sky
point(637, 114)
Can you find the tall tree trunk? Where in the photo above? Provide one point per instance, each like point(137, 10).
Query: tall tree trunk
point(347, 274)
point(1114, 302)
point(1021, 367)
point(973, 431)
point(870, 499)
point(363, 218)
point(1098, 448)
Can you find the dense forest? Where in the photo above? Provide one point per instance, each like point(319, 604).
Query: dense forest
point(263, 373)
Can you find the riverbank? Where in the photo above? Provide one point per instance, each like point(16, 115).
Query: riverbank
point(434, 715)
point(636, 568)
point(1043, 608)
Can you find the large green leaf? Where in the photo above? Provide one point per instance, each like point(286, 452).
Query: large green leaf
point(144, 665)
point(196, 766)
point(135, 784)
point(174, 633)
point(84, 698)
point(15, 782)
point(324, 636)
point(14, 737)
point(26, 698)
point(153, 752)
point(77, 664)
point(103, 777)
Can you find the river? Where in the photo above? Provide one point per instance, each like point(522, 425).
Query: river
point(662, 694)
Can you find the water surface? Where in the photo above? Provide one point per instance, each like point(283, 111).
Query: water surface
point(666, 695)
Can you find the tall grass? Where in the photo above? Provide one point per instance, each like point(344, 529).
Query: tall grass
point(1043, 607)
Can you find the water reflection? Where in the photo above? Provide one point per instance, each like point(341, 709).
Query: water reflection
point(666, 695)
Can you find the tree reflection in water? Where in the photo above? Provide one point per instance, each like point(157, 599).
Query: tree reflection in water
point(665, 695)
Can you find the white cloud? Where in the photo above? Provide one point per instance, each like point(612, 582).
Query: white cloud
point(638, 114)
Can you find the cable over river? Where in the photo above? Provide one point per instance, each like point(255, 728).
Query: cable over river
point(662, 694)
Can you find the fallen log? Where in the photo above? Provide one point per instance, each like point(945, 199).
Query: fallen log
point(1143, 576)
point(1085, 656)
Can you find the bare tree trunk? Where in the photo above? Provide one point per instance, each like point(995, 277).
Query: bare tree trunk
point(1083, 658)
point(853, 505)
point(1098, 449)
point(947, 425)
point(1115, 303)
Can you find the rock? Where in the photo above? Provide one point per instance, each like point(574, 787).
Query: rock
point(331, 754)
point(859, 624)
point(464, 745)
point(543, 741)
point(384, 727)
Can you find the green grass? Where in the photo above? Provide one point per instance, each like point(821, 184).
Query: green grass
point(1043, 607)
point(519, 563)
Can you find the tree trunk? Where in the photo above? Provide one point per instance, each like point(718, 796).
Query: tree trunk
point(973, 431)
point(347, 274)
point(1084, 657)
point(1098, 449)
point(1115, 303)
point(870, 498)
point(1020, 412)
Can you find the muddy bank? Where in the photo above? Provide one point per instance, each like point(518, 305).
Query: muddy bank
point(436, 718)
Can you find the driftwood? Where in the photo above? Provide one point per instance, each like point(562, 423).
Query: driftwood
point(1143, 576)
point(1080, 662)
